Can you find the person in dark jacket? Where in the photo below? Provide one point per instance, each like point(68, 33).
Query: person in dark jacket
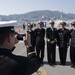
point(31, 32)
point(23, 26)
point(40, 42)
point(11, 64)
point(72, 44)
point(51, 35)
point(62, 41)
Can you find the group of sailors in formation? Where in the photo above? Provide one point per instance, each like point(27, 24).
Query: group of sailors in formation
point(62, 37)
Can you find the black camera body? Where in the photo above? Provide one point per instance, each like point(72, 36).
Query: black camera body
point(20, 36)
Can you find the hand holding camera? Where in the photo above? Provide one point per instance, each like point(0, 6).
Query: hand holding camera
point(20, 36)
point(23, 37)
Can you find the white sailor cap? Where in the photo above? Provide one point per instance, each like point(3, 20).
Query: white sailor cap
point(51, 22)
point(7, 23)
point(29, 24)
point(7, 26)
point(63, 23)
point(73, 23)
point(40, 22)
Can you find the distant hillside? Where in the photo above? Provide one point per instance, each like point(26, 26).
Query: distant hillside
point(39, 15)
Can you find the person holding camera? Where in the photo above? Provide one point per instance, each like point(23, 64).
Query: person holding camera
point(11, 64)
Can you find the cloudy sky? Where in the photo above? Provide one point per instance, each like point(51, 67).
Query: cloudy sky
point(8, 7)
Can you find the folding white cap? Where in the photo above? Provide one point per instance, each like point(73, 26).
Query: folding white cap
point(7, 26)
point(8, 23)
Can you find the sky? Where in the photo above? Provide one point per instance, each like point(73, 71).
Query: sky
point(8, 7)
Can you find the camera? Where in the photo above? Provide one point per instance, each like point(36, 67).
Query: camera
point(20, 36)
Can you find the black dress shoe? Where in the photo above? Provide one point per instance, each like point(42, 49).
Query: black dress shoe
point(49, 63)
point(72, 66)
point(54, 63)
point(63, 64)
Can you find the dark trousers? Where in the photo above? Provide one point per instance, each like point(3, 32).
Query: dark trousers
point(63, 54)
point(72, 55)
point(51, 53)
point(33, 47)
point(40, 50)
